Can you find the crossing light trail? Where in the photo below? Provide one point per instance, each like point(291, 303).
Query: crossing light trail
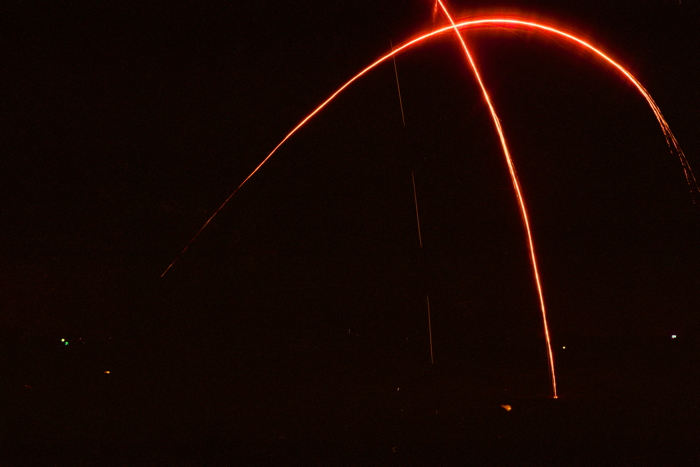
point(518, 193)
point(489, 22)
point(673, 144)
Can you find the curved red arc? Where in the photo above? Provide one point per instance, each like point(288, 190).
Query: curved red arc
point(670, 138)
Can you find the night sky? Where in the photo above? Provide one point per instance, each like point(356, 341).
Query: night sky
point(124, 125)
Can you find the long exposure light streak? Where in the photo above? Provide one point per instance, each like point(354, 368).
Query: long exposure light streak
point(476, 23)
point(420, 242)
point(398, 86)
point(518, 194)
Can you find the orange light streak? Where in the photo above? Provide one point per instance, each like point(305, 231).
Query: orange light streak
point(518, 193)
point(484, 22)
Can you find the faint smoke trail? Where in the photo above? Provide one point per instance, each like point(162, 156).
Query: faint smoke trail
point(430, 330)
point(398, 86)
point(420, 242)
point(518, 193)
point(415, 200)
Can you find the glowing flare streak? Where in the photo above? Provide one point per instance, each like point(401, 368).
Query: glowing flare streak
point(518, 193)
point(671, 140)
point(496, 22)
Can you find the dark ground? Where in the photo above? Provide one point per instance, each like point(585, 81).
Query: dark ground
point(317, 402)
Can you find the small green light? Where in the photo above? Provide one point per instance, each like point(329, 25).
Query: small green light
point(66, 343)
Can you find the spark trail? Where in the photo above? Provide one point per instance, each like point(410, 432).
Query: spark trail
point(518, 193)
point(470, 24)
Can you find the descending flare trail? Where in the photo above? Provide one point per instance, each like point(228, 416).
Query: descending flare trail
point(518, 194)
point(486, 22)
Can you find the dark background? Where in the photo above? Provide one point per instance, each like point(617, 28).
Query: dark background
point(296, 322)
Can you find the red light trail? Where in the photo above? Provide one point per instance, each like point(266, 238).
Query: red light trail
point(518, 193)
point(490, 22)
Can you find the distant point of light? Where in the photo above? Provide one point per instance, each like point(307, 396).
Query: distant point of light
point(65, 343)
point(507, 407)
point(563, 347)
point(107, 372)
point(673, 336)
point(63, 340)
